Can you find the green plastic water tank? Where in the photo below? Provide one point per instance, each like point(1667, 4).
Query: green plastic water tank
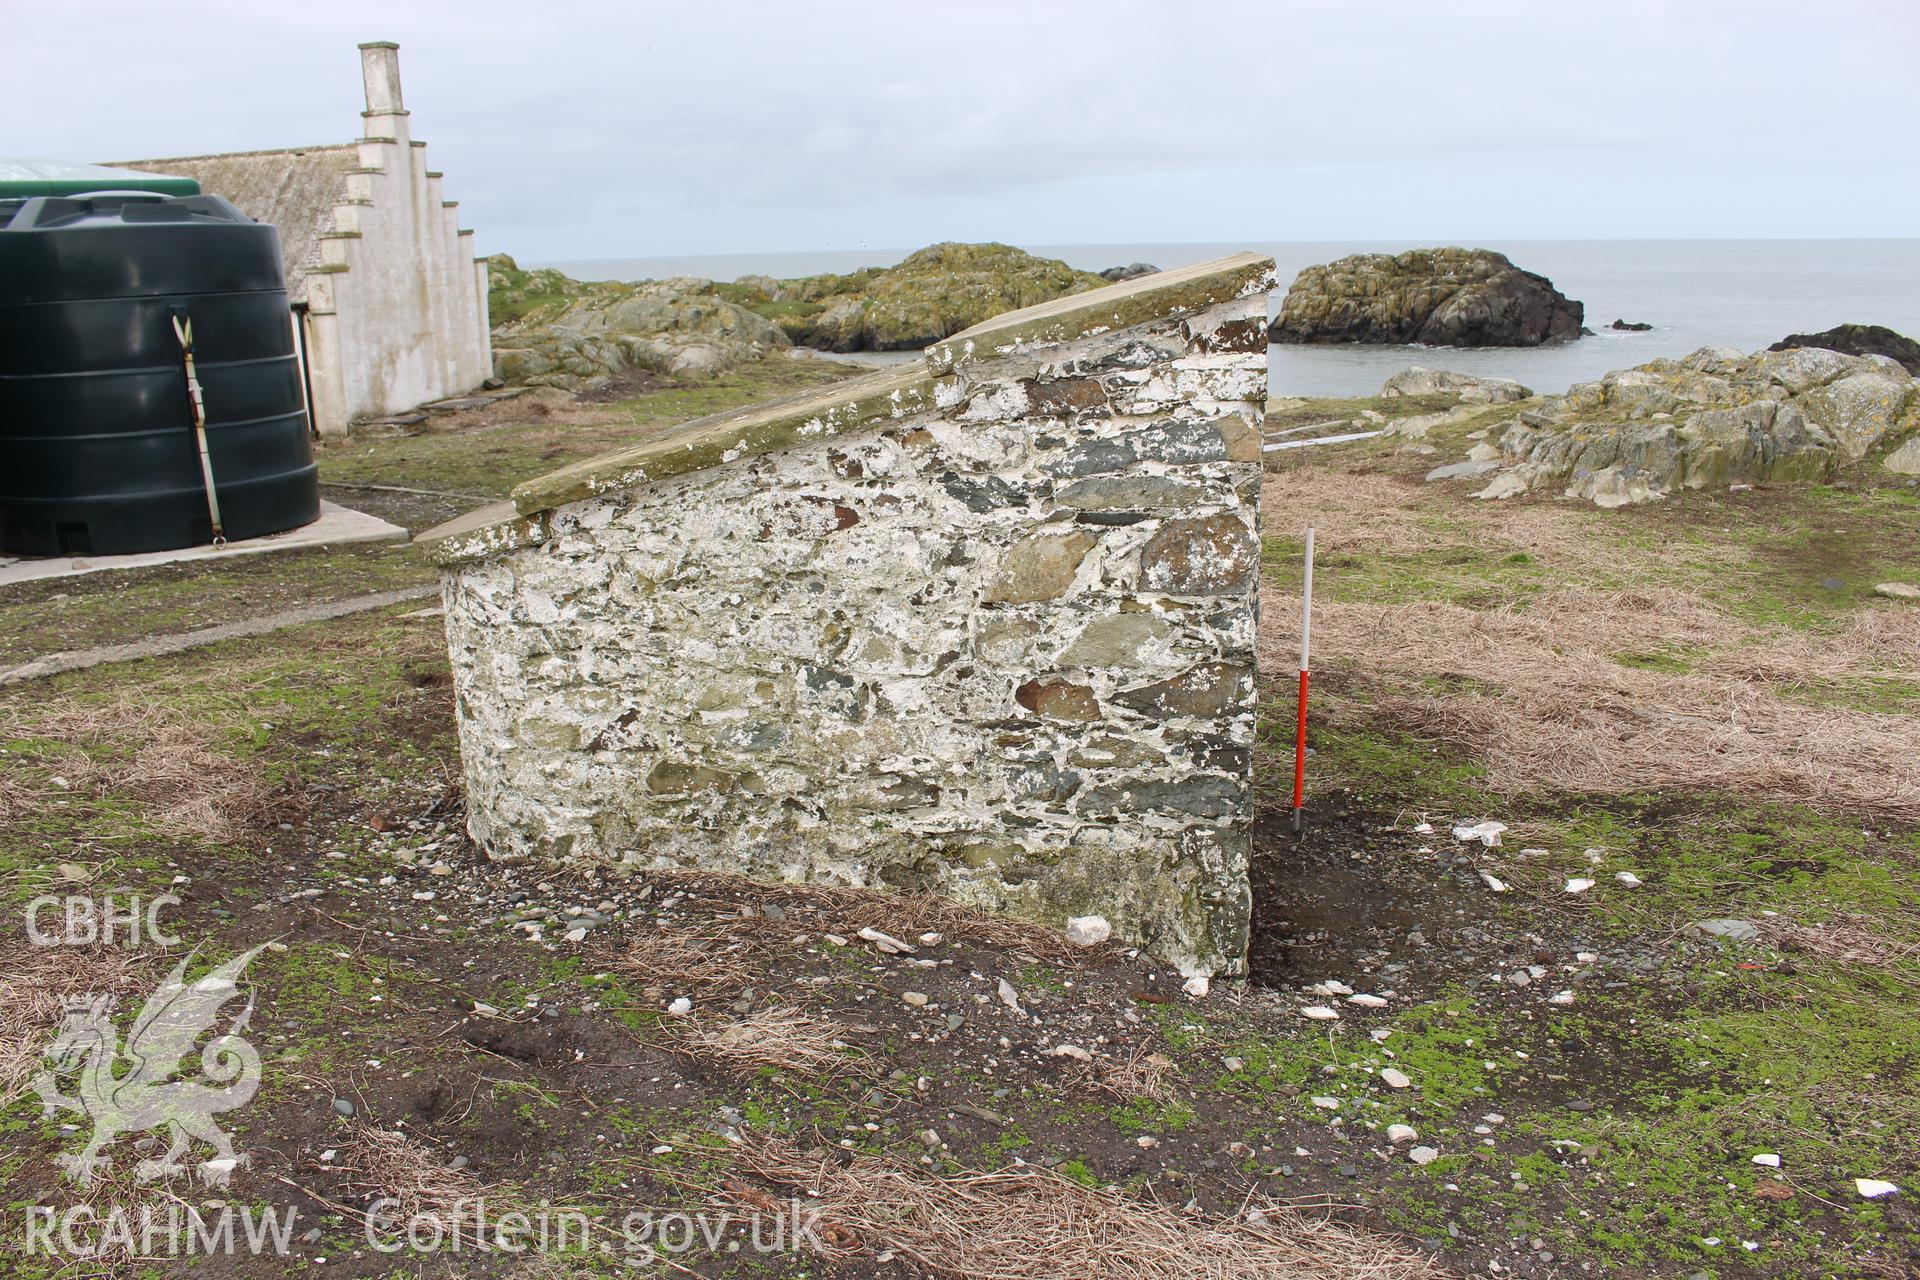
point(98, 450)
point(20, 179)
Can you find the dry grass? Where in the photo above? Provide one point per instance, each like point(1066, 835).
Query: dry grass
point(782, 1038)
point(710, 960)
point(149, 751)
point(1032, 1224)
point(1539, 698)
point(34, 981)
point(1143, 1073)
point(388, 1164)
point(1850, 939)
point(1350, 513)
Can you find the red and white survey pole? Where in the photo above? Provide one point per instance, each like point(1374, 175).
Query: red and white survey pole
point(1300, 728)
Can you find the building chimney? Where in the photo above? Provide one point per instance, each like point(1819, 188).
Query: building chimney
point(380, 67)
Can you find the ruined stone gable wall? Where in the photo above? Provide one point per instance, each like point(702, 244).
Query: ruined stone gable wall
point(1001, 648)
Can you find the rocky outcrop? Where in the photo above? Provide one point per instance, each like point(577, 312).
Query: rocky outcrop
point(1436, 297)
point(576, 335)
point(1471, 389)
point(1715, 418)
point(933, 294)
point(1132, 271)
point(1630, 326)
point(1859, 340)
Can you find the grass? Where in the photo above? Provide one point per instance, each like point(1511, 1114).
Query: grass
point(488, 462)
point(57, 614)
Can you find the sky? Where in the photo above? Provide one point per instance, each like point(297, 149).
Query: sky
point(640, 129)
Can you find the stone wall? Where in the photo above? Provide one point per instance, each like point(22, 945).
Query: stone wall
point(984, 627)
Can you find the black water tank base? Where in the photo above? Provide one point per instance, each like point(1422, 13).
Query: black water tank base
point(98, 452)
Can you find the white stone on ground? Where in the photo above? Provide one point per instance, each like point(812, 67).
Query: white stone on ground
point(1319, 1013)
point(1394, 1078)
point(1088, 931)
point(1423, 1155)
point(1399, 1133)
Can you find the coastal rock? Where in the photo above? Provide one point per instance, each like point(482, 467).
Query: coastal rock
point(576, 335)
point(1417, 381)
point(1630, 326)
point(933, 294)
point(1712, 419)
point(1132, 271)
point(1904, 461)
point(1439, 297)
point(1859, 340)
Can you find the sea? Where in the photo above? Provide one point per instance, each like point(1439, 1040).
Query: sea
point(1695, 293)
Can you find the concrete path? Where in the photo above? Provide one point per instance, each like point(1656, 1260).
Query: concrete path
point(156, 646)
point(336, 525)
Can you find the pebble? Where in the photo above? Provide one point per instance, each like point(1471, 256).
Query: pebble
point(886, 942)
point(1423, 1155)
point(1327, 1104)
point(1366, 1001)
point(1146, 1142)
point(680, 1007)
point(1394, 1078)
point(1579, 885)
point(1560, 997)
point(1487, 833)
point(1628, 879)
point(1088, 931)
point(1320, 1013)
point(1494, 882)
point(1896, 590)
point(917, 999)
point(1073, 1051)
point(1733, 930)
point(1399, 1133)
point(1197, 987)
point(1767, 1158)
point(1873, 1188)
point(342, 1106)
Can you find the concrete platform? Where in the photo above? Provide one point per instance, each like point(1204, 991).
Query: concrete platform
point(336, 525)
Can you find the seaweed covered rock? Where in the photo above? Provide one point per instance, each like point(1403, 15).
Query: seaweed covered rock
point(933, 294)
point(1717, 417)
point(1438, 297)
point(1859, 340)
